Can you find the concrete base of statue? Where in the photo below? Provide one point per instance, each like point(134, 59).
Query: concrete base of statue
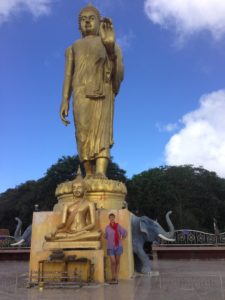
point(71, 245)
point(106, 193)
point(46, 222)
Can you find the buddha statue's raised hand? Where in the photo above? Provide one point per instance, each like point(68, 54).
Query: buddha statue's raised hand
point(108, 36)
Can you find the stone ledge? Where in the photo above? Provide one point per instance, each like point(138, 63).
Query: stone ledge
point(72, 245)
point(188, 252)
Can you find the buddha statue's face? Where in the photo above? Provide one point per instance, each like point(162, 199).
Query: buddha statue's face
point(89, 23)
point(78, 190)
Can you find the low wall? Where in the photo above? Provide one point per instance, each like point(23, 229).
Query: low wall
point(158, 252)
point(15, 254)
point(191, 252)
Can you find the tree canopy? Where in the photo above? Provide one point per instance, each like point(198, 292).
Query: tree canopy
point(20, 201)
point(195, 195)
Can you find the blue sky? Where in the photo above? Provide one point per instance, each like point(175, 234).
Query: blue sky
point(171, 106)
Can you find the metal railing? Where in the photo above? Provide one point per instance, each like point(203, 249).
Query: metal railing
point(189, 237)
point(55, 279)
point(6, 241)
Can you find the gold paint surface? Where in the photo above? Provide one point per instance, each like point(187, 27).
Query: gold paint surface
point(45, 222)
point(78, 219)
point(93, 74)
point(65, 244)
point(104, 193)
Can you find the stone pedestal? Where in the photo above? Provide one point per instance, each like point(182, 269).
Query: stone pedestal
point(82, 266)
point(71, 245)
point(46, 222)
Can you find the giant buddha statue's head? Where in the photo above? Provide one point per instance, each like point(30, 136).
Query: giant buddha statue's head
point(89, 20)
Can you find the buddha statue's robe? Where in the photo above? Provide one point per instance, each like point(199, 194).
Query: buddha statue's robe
point(78, 223)
point(94, 80)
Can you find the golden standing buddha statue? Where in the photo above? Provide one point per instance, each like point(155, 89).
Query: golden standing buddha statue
point(93, 73)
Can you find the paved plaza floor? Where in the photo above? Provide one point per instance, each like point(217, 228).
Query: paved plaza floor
point(177, 280)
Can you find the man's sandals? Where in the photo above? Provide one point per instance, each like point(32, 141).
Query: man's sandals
point(113, 281)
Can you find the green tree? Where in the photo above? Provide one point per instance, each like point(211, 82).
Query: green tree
point(20, 201)
point(195, 196)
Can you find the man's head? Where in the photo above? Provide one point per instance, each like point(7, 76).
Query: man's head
point(112, 218)
point(89, 20)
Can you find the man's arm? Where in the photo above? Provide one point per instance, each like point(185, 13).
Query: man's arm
point(122, 231)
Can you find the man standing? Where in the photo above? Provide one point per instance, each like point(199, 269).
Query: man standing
point(114, 233)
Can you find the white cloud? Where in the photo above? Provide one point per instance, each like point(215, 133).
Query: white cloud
point(10, 8)
point(125, 40)
point(201, 141)
point(168, 127)
point(188, 16)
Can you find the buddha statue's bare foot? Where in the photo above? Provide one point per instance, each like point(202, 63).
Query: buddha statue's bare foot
point(100, 176)
point(89, 176)
point(50, 236)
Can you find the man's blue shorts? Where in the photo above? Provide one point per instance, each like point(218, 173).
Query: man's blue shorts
point(115, 252)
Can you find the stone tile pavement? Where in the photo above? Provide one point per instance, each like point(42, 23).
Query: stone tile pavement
point(177, 280)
